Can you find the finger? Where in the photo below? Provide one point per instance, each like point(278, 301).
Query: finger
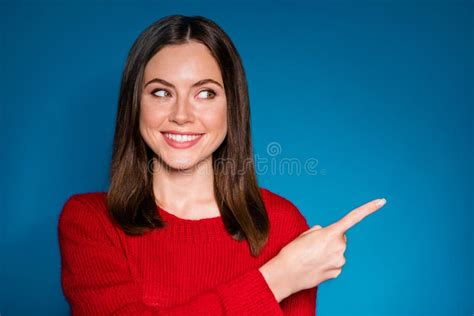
point(355, 216)
point(335, 273)
point(314, 228)
point(345, 238)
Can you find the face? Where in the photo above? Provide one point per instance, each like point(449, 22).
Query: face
point(183, 115)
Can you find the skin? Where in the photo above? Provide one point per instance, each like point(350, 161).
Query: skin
point(317, 252)
point(183, 178)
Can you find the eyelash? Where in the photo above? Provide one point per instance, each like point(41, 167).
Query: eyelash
point(208, 90)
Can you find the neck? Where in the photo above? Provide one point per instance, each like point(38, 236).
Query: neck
point(184, 190)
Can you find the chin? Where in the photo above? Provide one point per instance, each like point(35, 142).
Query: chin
point(179, 163)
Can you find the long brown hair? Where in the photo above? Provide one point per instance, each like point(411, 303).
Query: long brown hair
point(131, 201)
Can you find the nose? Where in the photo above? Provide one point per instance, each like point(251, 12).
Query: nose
point(181, 113)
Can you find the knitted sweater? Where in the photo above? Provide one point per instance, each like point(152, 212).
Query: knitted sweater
point(189, 267)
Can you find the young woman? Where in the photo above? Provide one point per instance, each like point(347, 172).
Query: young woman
point(184, 228)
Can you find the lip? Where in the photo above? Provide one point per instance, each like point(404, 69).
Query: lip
point(180, 133)
point(181, 145)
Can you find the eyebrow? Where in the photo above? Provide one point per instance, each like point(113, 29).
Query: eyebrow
point(199, 83)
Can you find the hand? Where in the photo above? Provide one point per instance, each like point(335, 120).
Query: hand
point(315, 256)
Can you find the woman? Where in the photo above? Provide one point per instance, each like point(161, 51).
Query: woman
point(184, 228)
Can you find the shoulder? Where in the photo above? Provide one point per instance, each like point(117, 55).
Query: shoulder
point(84, 219)
point(90, 201)
point(83, 207)
point(283, 212)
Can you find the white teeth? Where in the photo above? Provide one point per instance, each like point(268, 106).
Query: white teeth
point(182, 138)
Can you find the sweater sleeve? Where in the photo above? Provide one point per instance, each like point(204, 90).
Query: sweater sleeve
point(96, 279)
point(302, 303)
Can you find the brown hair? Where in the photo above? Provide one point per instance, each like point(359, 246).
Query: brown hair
point(131, 202)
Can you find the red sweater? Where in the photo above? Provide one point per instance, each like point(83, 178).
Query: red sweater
point(190, 267)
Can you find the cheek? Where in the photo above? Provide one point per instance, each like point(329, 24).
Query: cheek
point(216, 120)
point(149, 116)
point(149, 121)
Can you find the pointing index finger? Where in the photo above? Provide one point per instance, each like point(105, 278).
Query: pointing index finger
point(356, 215)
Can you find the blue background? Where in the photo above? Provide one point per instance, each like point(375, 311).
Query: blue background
point(379, 92)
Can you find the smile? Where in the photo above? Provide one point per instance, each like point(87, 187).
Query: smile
point(181, 141)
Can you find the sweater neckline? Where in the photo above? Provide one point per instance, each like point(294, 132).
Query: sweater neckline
point(193, 230)
point(187, 221)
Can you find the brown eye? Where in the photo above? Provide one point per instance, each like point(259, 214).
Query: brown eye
point(158, 93)
point(208, 91)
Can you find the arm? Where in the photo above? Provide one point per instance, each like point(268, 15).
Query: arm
point(96, 279)
point(303, 302)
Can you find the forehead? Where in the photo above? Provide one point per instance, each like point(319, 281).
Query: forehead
point(191, 62)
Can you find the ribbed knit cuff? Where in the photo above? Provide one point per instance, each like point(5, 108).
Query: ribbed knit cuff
point(249, 294)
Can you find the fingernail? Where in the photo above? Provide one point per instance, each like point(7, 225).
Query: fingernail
point(381, 202)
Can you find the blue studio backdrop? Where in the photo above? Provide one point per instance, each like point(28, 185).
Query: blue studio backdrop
point(371, 99)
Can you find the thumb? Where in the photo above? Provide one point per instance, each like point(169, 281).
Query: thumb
point(312, 229)
point(316, 227)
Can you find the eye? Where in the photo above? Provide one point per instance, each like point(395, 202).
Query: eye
point(155, 92)
point(213, 94)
